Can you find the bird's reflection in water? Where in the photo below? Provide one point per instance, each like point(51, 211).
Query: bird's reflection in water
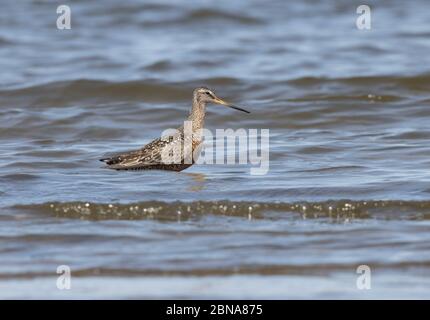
point(199, 180)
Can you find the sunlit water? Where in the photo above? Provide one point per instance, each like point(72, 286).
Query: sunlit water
point(349, 180)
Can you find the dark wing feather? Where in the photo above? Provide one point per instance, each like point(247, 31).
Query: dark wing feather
point(150, 156)
point(147, 156)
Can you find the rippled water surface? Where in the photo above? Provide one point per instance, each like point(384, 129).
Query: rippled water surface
point(349, 182)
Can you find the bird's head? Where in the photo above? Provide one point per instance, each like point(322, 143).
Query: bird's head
point(206, 95)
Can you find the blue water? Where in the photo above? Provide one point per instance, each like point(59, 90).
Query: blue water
point(348, 184)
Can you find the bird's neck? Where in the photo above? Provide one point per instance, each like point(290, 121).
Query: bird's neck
point(197, 115)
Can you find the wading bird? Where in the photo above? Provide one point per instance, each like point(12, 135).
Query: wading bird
point(153, 155)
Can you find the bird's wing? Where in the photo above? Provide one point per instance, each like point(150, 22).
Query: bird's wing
point(149, 155)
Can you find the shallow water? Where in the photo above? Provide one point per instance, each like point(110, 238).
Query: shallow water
point(349, 180)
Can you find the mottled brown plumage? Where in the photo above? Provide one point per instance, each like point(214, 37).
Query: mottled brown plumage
point(150, 157)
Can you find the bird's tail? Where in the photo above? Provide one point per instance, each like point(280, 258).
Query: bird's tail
point(111, 160)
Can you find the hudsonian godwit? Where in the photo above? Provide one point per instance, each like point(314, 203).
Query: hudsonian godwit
point(151, 155)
